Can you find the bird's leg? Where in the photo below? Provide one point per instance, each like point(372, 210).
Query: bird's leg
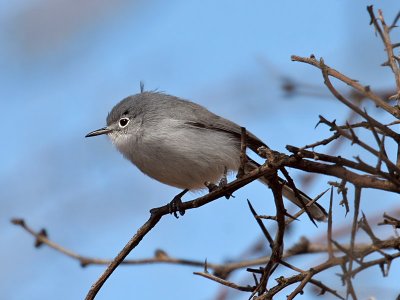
point(224, 180)
point(176, 204)
point(211, 186)
point(222, 183)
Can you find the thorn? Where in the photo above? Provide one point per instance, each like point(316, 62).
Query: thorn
point(160, 254)
point(316, 125)
point(395, 45)
point(38, 242)
point(84, 262)
point(394, 97)
point(382, 267)
point(322, 292)
point(255, 279)
point(385, 64)
point(205, 267)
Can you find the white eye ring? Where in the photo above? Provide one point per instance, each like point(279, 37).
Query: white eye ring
point(123, 122)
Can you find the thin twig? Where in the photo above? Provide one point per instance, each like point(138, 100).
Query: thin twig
point(260, 223)
point(357, 200)
point(384, 33)
point(225, 282)
point(302, 284)
point(329, 235)
point(353, 83)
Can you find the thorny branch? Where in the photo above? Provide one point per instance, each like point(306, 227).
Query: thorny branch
point(384, 33)
point(379, 171)
point(364, 90)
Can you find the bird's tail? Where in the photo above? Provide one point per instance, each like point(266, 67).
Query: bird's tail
point(316, 210)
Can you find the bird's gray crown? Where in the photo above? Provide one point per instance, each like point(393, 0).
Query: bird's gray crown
point(124, 108)
point(155, 105)
point(132, 106)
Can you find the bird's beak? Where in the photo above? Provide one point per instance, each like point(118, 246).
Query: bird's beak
point(104, 130)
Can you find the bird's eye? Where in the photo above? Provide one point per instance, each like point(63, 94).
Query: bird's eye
point(123, 122)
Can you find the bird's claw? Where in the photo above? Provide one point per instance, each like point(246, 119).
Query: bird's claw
point(222, 183)
point(211, 186)
point(175, 205)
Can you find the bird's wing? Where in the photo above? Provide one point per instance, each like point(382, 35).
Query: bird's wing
point(221, 124)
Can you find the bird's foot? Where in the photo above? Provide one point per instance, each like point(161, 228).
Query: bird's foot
point(222, 183)
point(211, 186)
point(175, 205)
point(224, 180)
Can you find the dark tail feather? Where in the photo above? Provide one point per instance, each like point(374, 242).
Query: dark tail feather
point(316, 210)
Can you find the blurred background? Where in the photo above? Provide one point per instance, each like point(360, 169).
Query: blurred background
point(65, 64)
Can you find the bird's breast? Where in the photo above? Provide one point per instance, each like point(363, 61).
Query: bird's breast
point(182, 157)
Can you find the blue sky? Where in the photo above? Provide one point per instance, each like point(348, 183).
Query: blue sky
point(64, 64)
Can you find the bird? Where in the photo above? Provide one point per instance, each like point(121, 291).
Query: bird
point(182, 144)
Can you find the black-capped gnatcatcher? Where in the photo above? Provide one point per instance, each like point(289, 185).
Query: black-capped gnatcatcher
point(181, 143)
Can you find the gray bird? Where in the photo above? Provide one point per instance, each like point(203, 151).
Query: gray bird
point(182, 144)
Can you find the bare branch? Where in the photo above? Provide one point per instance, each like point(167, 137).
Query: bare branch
point(225, 282)
point(351, 82)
